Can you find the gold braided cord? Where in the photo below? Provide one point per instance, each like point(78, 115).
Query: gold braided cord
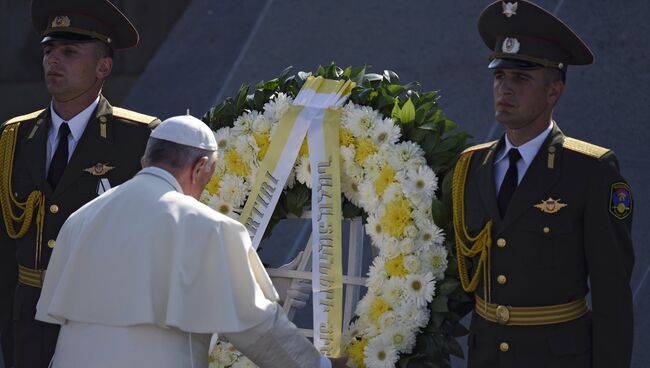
point(7, 199)
point(481, 242)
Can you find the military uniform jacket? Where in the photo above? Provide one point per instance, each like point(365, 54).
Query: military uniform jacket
point(547, 257)
point(110, 148)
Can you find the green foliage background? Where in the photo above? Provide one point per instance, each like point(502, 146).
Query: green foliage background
point(422, 121)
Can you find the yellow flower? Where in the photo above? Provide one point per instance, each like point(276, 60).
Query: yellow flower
point(385, 178)
point(378, 307)
point(304, 149)
point(395, 266)
point(397, 217)
point(355, 352)
point(345, 137)
point(235, 165)
point(365, 147)
point(213, 185)
point(262, 140)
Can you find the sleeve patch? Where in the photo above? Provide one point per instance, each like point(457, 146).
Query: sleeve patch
point(620, 201)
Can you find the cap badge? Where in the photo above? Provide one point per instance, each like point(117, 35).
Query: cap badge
point(99, 169)
point(61, 21)
point(510, 45)
point(509, 9)
point(550, 205)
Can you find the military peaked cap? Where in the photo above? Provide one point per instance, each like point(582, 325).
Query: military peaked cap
point(524, 36)
point(83, 21)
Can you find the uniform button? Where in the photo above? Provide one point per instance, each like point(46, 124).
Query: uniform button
point(51, 243)
point(54, 208)
point(501, 242)
point(102, 119)
point(504, 347)
point(546, 229)
point(501, 279)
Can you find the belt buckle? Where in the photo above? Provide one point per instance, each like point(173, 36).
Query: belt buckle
point(502, 315)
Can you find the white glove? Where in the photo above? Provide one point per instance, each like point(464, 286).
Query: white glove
point(298, 291)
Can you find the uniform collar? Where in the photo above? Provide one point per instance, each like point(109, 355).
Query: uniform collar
point(77, 124)
point(163, 174)
point(527, 150)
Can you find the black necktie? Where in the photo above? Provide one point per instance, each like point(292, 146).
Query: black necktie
point(509, 182)
point(60, 158)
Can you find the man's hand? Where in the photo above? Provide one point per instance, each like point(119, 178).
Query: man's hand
point(298, 291)
point(339, 362)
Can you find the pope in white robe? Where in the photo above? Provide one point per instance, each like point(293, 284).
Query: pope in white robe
point(143, 275)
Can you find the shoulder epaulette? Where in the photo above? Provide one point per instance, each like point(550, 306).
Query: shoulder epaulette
point(133, 116)
point(585, 148)
point(478, 147)
point(21, 118)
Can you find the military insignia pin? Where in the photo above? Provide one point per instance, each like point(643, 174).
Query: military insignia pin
point(61, 21)
point(509, 9)
point(99, 169)
point(510, 45)
point(550, 205)
point(620, 201)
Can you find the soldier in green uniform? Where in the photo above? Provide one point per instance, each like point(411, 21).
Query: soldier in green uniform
point(541, 219)
point(55, 160)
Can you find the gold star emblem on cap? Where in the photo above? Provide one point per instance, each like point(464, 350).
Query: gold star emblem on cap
point(61, 21)
point(509, 9)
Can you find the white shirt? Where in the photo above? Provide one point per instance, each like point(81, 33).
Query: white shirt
point(528, 152)
point(77, 126)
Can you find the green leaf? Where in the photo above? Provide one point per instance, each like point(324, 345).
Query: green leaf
point(397, 111)
point(447, 286)
point(439, 304)
point(407, 114)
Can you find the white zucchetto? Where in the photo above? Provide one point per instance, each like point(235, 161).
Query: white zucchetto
point(186, 130)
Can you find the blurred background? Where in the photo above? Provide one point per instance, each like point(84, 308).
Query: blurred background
point(194, 53)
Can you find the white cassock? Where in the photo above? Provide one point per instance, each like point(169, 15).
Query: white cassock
point(143, 275)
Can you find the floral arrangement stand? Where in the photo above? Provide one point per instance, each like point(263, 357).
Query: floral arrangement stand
point(351, 279)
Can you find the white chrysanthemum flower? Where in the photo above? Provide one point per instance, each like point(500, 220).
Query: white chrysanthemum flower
point(347, 153)
point(351, 186)
point(246, 148)
point(261, 124)
point(406, 155)
point(360, 120)
point(421, 181)
point(233, 190)
point(386, 133)
point(377, 277)
point(373, 166)
point(401, 337)
point(380, 353)
point(220, 168)
point(413, 316)
point(429, 232)
point(368, 197)
point(407, 246)
point(412, 264)
point(303, 171)
point(373, 227)
point(222, 136)
point(275, 108)
point(420, 288)
point(244, 122)
point(392, 192)
point(220, 205)
point(393, 291)
point(436, 259)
